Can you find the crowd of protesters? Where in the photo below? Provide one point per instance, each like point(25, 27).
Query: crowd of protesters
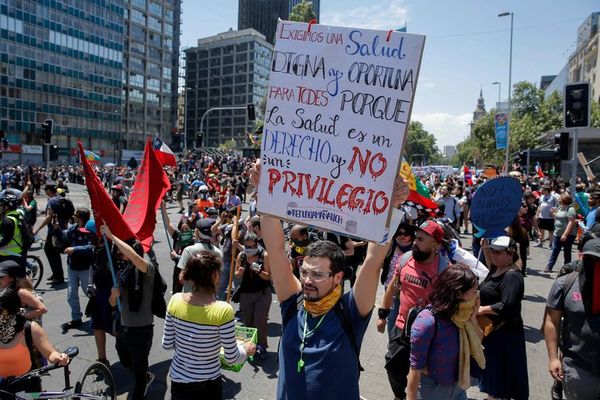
point(445, 302)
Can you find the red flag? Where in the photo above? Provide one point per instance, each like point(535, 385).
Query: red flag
point(149, 188)
point(105, 210)
point(468, 175)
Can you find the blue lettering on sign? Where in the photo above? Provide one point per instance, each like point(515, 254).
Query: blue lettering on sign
point(374, 49)
point(297, 146)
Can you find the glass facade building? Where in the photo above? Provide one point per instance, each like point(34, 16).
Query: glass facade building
point(262, 15)
point(150, 70)
point(60, 60)
point(227, 70)
point(105, 71)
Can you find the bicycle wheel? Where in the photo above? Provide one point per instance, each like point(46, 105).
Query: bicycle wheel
point(35, 270)
point(97, 380)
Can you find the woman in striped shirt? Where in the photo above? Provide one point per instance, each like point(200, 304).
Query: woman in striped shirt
point(197, 326)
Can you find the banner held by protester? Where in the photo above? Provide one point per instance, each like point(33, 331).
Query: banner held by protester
point(338, 107)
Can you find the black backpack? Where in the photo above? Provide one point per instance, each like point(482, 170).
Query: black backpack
point(66, 210)
point(159, 288)
point(27, 236)
point(410, 319)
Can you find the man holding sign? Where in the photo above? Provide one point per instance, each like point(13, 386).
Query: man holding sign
point(322, 327)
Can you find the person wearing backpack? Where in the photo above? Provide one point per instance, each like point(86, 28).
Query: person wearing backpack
point(574, 299)
point(135, 277)
point(15, 232)
point(322, 328)
point(79, 251)
point(444, 337)
point(54, 213)
point(414, 278)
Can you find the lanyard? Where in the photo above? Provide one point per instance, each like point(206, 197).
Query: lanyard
point(305, 335)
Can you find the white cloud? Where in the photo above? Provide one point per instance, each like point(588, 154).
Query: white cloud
point(448, 129)
point(382, 14)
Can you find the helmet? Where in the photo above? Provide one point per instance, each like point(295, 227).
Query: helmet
point(10, 200)
point(203, 188)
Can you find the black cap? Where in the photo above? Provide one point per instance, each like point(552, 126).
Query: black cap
point(204, 223)
point(592, 248)
point(11, 268)
point(50, 185)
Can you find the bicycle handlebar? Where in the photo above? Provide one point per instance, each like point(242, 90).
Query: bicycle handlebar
point(71, 352)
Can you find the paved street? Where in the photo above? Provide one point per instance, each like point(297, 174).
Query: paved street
point(257, 380)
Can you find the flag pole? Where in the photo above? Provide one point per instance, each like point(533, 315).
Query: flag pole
point(111, 268)
point(166, 231)
point(235, 233)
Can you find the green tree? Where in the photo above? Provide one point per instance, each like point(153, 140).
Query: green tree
point(526, 99)
point(302, 12)
point(421, 144)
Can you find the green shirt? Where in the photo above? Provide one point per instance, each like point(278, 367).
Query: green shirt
point(561, 220)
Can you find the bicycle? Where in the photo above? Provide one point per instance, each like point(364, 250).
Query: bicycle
point(35, 269)
point(96, 382)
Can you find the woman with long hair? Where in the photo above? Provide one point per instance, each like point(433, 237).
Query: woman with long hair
point(444, 337)
point(197, 325)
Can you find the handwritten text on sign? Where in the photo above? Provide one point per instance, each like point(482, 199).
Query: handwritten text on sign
point(338, 107)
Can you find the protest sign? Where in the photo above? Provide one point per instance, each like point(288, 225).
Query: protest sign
point(495, 205)
point(338, 108)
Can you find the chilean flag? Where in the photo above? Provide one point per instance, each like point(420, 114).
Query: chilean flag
point(164, 153)
point(538, 170)
point(468, 175)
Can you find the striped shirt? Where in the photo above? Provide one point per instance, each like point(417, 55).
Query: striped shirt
point(197, 333)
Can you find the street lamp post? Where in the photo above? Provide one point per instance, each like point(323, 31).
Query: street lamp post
point(505, 14)
point(499, 91)
point(215, 109)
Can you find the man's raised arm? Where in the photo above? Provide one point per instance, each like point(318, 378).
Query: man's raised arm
point(286, 284)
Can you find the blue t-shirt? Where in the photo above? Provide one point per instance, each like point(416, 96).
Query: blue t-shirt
point(327, 353)
point(590, 218)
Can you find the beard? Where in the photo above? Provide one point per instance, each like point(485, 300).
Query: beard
point(312, 293)
point(420, 255)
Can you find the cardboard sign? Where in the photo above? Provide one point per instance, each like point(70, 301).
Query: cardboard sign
point(495, 204)
point(338, 108)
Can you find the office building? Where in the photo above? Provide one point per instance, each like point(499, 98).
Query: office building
point(262, 15)
point(229, 70)
point(449, 151)
point(150, 71)
point(61, 61)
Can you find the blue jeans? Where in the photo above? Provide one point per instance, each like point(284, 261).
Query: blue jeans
point(557, 245)
point(76, 279)
point(430, 390)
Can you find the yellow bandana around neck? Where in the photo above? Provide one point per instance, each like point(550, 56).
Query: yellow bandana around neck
point(470, 343)
point(320, 307)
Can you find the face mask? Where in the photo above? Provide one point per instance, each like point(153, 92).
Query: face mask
point(8, 328)
point(301, 243)
point(251, 251)
point(204, 196)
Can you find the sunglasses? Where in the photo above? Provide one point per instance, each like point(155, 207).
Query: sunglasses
point(403, 233)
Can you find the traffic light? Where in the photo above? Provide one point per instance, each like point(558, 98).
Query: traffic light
point(577, 105)
point(53, 152)
point(522, 158)
point(48, 129)
point(561, 140)
point(198, 140)
point(251, 112)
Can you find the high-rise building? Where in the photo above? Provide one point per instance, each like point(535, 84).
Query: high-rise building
point(229, 70)
point(262, 15)
point(150, 70)
point(60, 60)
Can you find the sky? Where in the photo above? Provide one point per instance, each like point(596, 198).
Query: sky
point(466, 48)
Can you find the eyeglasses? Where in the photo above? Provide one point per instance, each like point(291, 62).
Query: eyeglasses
point(403, 233)
point(314, 276)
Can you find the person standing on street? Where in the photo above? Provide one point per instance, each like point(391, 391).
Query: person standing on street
point(574, 299)
point(565, 231)
point(53, 211)
point(548, 201)
point(593, 202)
point(314, 342)
point(79, 251)
point(137, 321)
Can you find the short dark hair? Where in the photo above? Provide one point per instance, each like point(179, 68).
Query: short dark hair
point(329, 250)
point(83, 213)
point(200, 270)
point(10, 301)
point(448, 288)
